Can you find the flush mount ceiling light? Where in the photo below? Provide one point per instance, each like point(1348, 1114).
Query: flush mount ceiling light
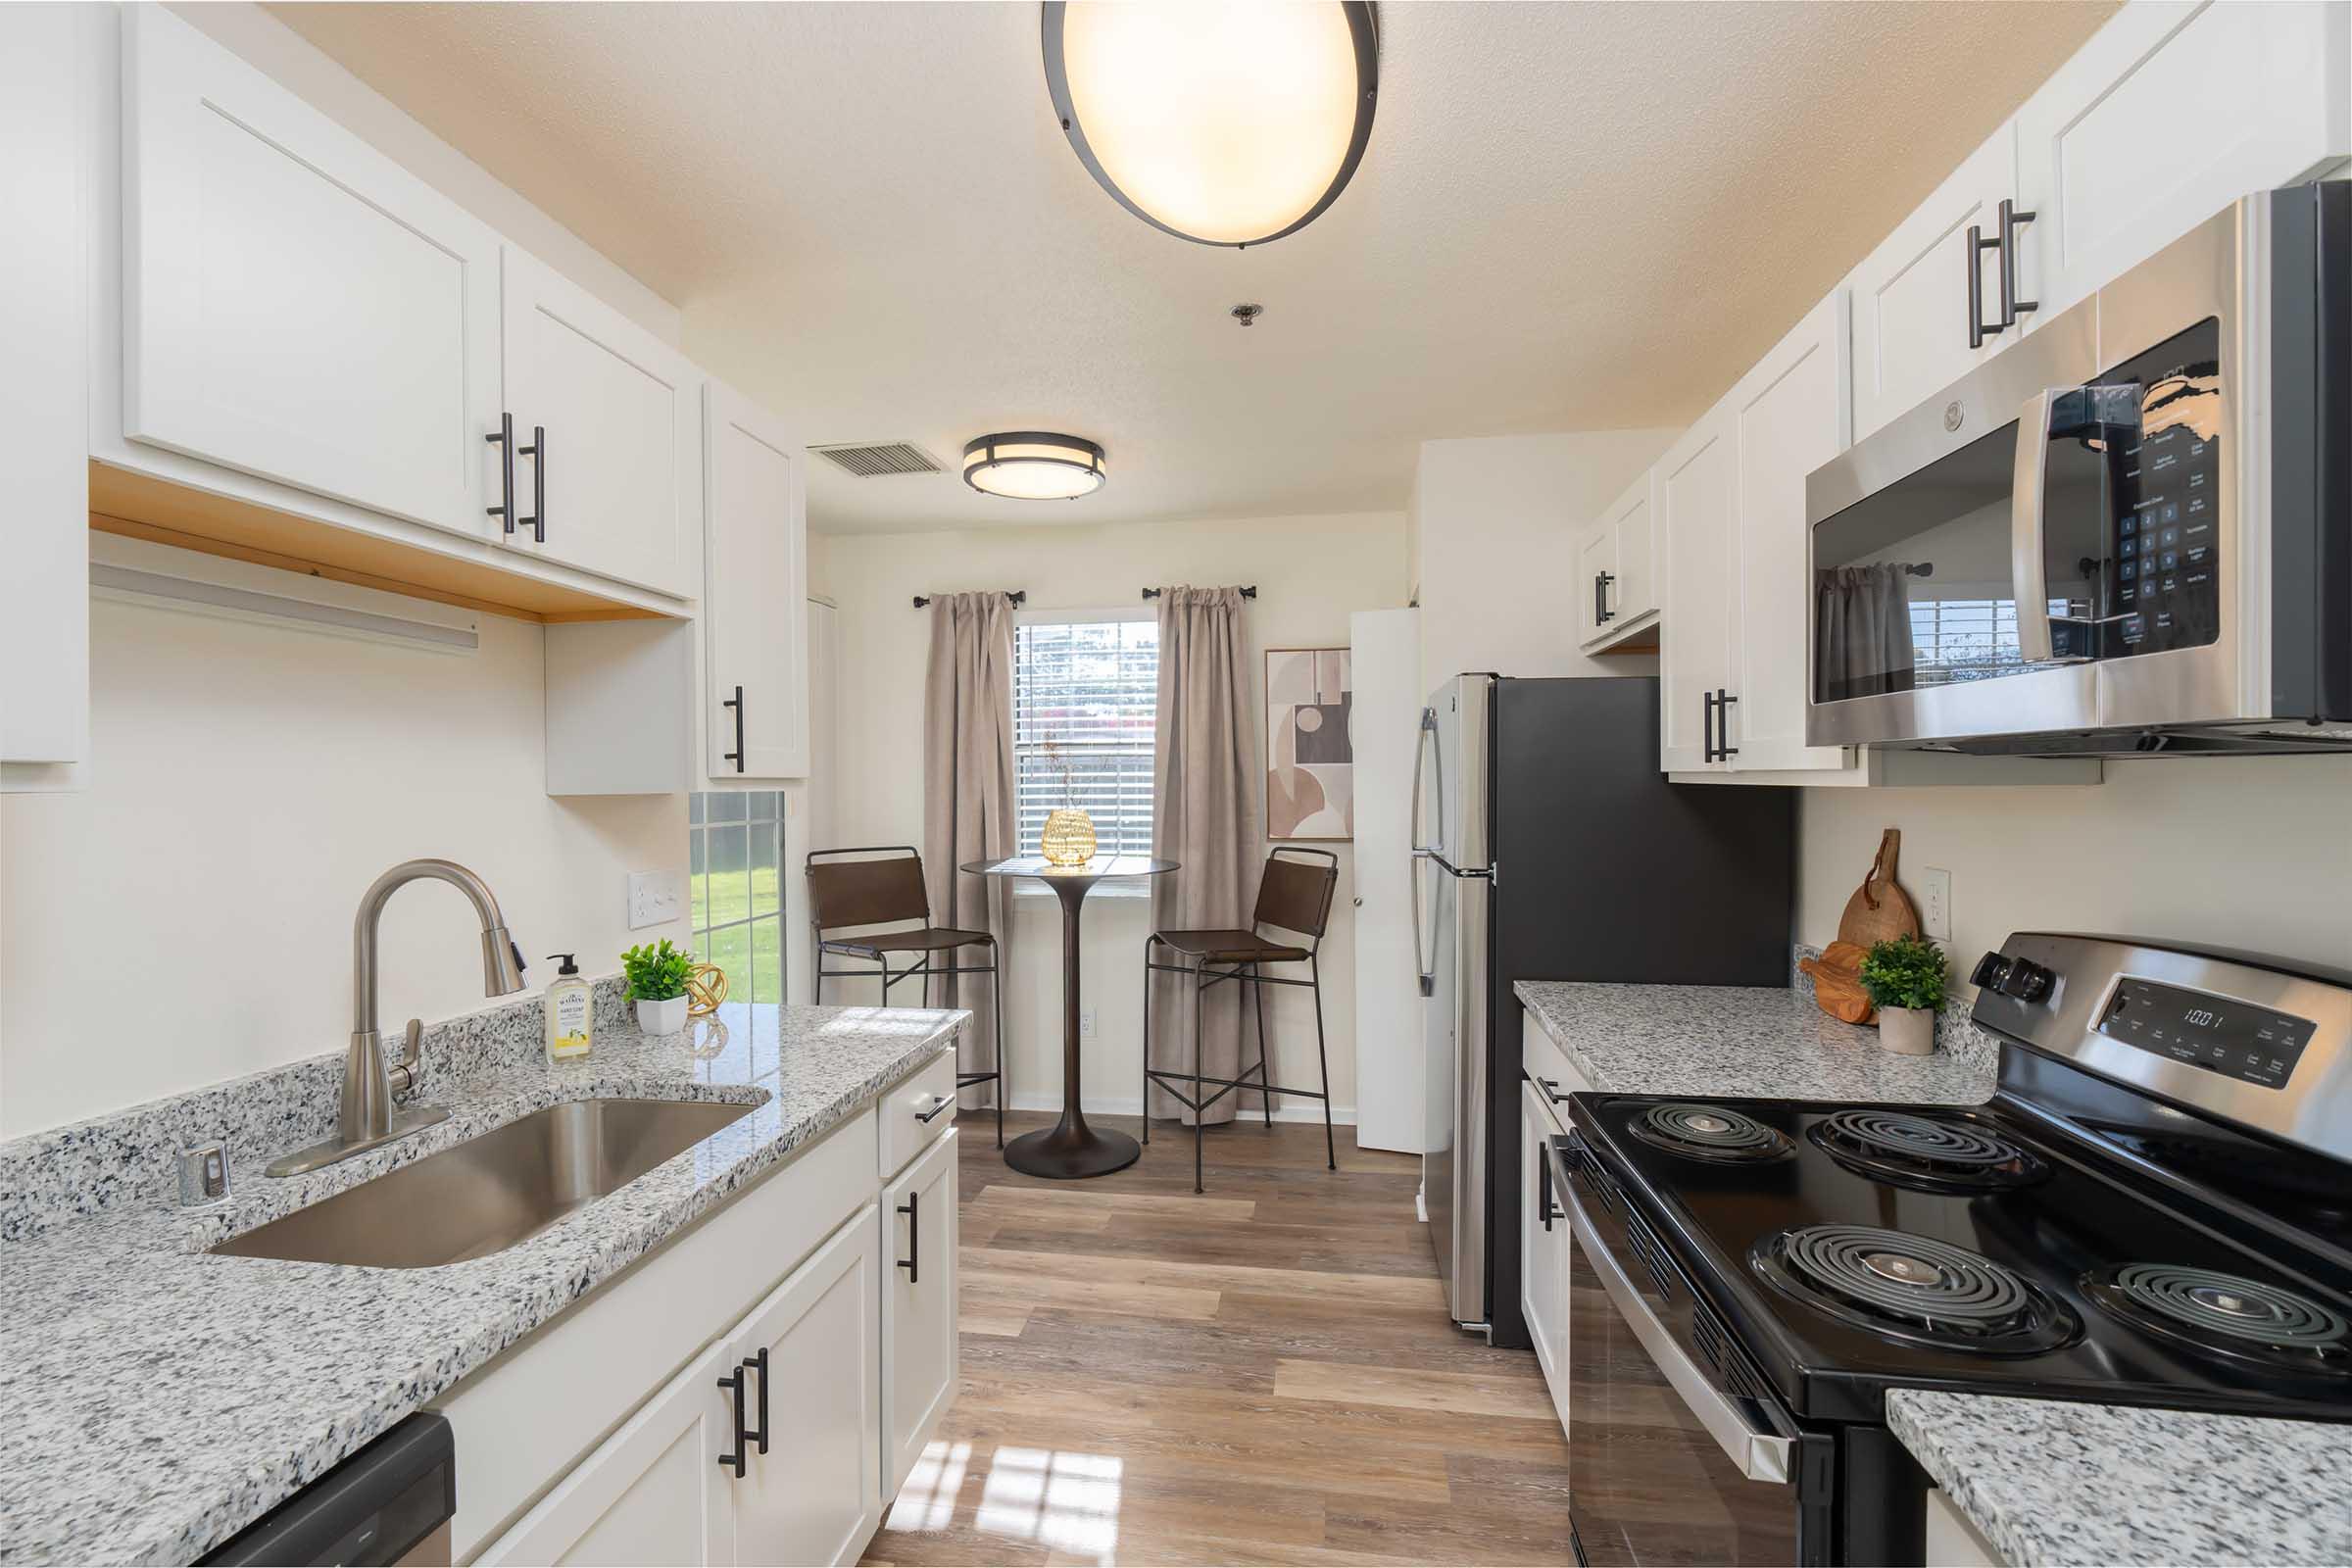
point(1033, 465)
point(1225, 124)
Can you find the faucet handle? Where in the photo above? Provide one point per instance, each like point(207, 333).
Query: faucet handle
point(411, 1053)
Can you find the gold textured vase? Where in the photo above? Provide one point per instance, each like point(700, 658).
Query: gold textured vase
point(1069, 838)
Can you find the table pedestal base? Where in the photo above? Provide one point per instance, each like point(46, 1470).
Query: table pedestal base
point(1068, 1152)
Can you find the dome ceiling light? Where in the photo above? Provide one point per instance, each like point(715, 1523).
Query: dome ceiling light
point(1033, 465)
point(1222, 123)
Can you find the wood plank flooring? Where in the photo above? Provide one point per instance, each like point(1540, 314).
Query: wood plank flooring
point(1263, 1374)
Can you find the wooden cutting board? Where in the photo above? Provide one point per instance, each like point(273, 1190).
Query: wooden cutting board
point(1837, 983)
point(1880, 908)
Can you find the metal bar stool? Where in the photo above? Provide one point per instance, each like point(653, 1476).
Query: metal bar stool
point(885, 888)
point(1294, 896)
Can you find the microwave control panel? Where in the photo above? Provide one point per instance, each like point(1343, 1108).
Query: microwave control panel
point(2161, 579)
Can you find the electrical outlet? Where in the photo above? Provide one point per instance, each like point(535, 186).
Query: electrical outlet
point(1085, 1024)
point(1935, 902)
point(656, 897)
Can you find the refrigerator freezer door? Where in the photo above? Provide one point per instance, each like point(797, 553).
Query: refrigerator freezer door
point(1454, 1172)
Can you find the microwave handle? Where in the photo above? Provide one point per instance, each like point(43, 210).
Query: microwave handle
point(1761, 1454)
point(2027, 571)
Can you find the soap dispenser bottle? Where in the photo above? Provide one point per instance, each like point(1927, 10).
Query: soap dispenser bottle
point(568, 1012)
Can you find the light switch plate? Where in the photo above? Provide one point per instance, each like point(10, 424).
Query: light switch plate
point(656, 897)
point(1935, 902)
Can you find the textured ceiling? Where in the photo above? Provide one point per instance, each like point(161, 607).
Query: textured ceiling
point(1571, 217)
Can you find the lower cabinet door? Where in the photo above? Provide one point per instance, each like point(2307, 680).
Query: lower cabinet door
point(921, 1357)
point(813, 1492)
point(1543, 1241)
point(654, 1491)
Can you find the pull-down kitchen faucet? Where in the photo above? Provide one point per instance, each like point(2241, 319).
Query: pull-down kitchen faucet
point(367, 1118)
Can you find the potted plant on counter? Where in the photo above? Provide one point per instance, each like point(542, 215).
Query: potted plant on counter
point(1904, 976)
point(657, 976)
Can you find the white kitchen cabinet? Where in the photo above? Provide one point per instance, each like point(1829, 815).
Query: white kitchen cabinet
point(1952, 1539)
point(652, 1492)
point(615, 485)
point(295, 304)
point(1911, 297)
point(755, 593)
point(1699, 540)
point(2167, 115)
point(1543, 1245)
point(920, 1350)
point(44, 529)
point(812, 1493)
point(1616, 580)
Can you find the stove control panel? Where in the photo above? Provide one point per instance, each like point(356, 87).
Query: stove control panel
point(2239, 1040)
point(2020, 978)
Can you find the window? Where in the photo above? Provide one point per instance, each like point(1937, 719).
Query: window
point(736, 852)
point(1967, 639)
point(1091, 685)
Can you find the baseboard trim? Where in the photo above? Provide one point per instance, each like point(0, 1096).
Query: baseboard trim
point(1341, 1115)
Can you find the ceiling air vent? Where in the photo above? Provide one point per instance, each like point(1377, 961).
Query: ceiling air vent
point(874, 461)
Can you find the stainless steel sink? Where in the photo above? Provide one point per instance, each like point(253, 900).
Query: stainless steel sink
point(492, 1192)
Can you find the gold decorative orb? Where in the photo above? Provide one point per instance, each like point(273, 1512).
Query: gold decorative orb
point(1069, 838)
point(706, 989)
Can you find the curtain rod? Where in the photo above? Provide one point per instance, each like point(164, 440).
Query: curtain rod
point(1249, 592)
point(1923, 569)
point(1019, 596)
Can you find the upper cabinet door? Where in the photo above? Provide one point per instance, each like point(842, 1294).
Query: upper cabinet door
point(1911, 295)
point(1699, 531)
point(2171, 111)
point(1788, 417)
point(1596, 583)
point(755, 593)
point(295, 304)
point(615, 413)
point(1634, 524)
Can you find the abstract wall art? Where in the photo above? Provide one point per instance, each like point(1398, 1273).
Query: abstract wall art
point(1311, 745)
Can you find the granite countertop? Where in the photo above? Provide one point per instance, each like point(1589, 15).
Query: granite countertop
point(160, 1398)
point(1744, 1041)
point(2048, 1481)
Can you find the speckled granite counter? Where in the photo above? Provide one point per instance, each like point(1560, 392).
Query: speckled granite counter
point(160, 1398)
point(2049, 1483)
point(1731, 1040)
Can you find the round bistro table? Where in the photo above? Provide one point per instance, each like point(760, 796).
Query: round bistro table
point(1070, 1148)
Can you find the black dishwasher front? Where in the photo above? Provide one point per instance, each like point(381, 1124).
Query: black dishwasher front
point(390, 1502)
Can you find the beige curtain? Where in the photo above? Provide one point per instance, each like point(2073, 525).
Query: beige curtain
point(968, 801)
point(1204, 816)
point(1862, 631)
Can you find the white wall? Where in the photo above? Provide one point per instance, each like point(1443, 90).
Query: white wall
point(2252, 853)
point(1310, 574)
point(187, 916)
point(1492, 539)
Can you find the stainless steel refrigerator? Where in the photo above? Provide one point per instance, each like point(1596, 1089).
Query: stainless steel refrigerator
point(1548, 846)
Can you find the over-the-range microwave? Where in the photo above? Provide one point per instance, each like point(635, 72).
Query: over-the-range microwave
point(2129, 533)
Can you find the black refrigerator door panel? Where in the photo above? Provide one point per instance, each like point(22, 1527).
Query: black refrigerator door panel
point(1605, 871)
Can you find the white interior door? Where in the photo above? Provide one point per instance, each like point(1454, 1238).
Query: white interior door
point(617, 482)
point(1910, 295)
point(755, 594)
point(1790, 416)
point(813, 1496)
point(653, 1492)
point(1699, 532)
point(920, 1348)
point(295, 304)
point(1385, 717)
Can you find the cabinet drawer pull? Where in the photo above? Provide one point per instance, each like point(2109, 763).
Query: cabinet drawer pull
point(733, 1382)
point(736, 755)
point(940, 1103)
point(912, 1209)
point(1602, 614)
point(2004, 245)
point(1551, 1091)
point(502, 438)
point(537, 453)
point(759, 1363)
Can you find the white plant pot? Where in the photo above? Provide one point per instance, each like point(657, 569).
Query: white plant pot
point(1905, 1031)
point(665, 1017)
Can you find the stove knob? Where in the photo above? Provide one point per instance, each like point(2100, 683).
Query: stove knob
point(1991, 969)
point(2028, 981)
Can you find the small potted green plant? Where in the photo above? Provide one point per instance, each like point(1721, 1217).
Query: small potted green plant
point(657, 976)
point(1904, 976)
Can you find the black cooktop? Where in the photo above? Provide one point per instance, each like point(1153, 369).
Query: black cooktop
point(1853, 1248)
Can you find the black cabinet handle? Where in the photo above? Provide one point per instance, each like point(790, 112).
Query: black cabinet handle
point(1551, 1091)
point(537, 453)
point(736, 755)
point(1725, 750)
point(1706, 729)
point(1602, 614)
point(733, 1382)
point(933, 1114)
point(2011, 306)
point(502, 438)
point(759, 1363)
point(912, 1209)
point(1544, 1205)
point(2004, 245)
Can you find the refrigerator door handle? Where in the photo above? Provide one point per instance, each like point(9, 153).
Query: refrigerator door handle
point(1425, 963)
point(1424, 748)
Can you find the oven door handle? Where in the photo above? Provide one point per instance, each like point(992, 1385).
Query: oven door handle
point(1760, 1454)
